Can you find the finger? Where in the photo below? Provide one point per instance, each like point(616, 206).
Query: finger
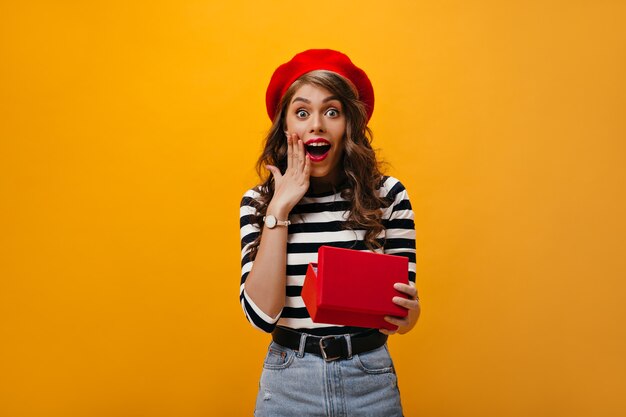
point(398, 321)
point(307, 167)
point(294, 151)
point(275, 171)
point(387, 331)
point(301, 155)
point(289, 152)
point(406, 303)
point(407, 289)
point(295, 156)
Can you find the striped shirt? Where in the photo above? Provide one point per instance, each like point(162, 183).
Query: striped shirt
point(315, 221)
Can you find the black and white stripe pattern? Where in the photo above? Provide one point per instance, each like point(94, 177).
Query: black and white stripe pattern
point(318, 221)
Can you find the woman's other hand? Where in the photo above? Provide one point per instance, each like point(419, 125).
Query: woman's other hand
point(289, 188)
point(412, 304)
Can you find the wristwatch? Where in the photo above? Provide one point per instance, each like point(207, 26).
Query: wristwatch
point(271, 222)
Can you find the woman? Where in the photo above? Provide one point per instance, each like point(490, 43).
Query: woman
point(324, 188)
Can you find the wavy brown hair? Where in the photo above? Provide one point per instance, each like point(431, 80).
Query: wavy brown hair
point(361, 169)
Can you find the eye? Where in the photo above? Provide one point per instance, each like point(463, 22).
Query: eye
point(332, 113)
point(300, 113)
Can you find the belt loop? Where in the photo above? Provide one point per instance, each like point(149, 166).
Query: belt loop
point(349, 345)
point(300, 353)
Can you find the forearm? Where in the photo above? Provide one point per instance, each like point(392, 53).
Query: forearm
point(266, 282)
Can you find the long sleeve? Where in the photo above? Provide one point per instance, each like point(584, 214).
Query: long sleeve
point(249, 232)
point(399, 224)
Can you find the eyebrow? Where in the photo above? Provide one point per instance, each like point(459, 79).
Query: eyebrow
point(327, 99)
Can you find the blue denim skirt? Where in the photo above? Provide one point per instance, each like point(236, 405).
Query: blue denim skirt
point(295, 383)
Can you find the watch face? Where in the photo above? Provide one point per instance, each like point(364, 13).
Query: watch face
point(270, 221)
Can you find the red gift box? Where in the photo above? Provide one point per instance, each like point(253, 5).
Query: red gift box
point(354, 288)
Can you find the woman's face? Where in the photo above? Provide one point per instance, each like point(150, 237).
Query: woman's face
point(316, 115)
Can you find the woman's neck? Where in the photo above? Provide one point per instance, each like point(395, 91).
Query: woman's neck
point(330, 182)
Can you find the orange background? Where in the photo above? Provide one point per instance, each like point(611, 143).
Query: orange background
point(129, 131)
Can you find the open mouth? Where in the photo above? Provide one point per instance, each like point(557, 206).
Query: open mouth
point(317, 149)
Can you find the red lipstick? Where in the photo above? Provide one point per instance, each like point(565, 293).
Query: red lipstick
point(317, 149)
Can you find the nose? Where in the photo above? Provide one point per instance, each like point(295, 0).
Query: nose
point(317, 123)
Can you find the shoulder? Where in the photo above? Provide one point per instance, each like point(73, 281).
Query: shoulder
point(391, 188)
point(393, 191)
point(250, 204)
point(251, 197)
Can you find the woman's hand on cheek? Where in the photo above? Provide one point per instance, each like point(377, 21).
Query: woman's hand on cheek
point(412, 304)
point(291, 186)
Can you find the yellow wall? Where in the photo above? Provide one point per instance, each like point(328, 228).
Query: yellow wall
point(129, 131)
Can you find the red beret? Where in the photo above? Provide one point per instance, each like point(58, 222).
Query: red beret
point(318, 59)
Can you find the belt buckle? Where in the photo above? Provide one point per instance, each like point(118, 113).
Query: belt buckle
point(322, 347)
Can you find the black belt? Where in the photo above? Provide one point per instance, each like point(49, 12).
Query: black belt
point(331, 347)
